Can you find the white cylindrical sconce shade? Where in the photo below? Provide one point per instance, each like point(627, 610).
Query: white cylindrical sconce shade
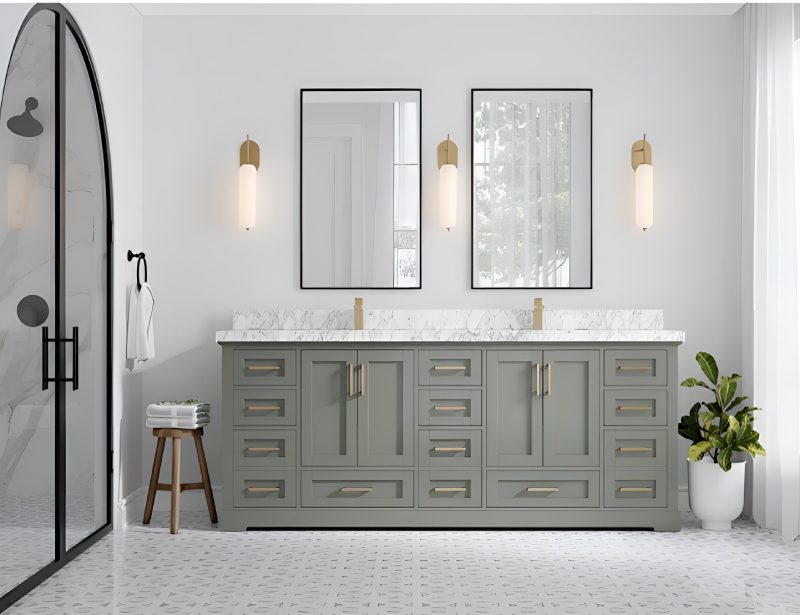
point(644, 196)
point(448, 195)
point(247, 196)
point(19, 195)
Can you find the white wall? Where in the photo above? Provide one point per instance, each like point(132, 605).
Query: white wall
point(210, 80)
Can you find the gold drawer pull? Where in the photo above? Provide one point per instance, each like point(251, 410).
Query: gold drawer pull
point(449, 449)
point(636, 489)
point(450, 489)
point(633, 408)
point(449, 368)
point(543, 489)
point(263, 449)
point(634, 368)
point(263, 408)
point(264, 489)
point(263, 368)
point(449, 408)
point(635, 449)
point(355, 489)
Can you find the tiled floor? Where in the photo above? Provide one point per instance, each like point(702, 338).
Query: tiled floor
point(145, 570)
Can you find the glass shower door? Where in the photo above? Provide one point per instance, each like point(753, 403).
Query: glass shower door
point(85, 284)
point(27, 306)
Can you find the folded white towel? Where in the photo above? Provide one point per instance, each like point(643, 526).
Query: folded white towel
point(141, 344)
point(157, 423)
point(178, 410)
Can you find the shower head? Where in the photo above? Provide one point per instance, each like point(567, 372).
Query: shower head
point(24, 124)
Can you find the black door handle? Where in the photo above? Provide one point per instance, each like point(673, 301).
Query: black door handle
point(46, 339)
point(46, 380)
point(74, 340)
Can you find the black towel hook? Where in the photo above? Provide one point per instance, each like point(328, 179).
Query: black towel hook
point(141, 257)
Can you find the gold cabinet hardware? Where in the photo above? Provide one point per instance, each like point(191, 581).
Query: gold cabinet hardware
point(264, 489)
point(449, 449)
point(449, 489)
point(263, 449)
point(351, 380)
point(634, 368)
point(449, 408)
point(538, 369)
point(543, 489)
point(355, 489)
point(263, 408)
point(633, 408)
point(549, 379)
point(449, 368)
point(636, 489)
point(635, 449)
point(362, 373)
point(263, 368)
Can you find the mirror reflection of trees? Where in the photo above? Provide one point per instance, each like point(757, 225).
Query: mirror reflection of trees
point(522, 193)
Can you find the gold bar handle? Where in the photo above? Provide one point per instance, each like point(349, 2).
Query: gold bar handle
point(549, 379)
point(362, 372)
point(538, 368)
point(264, 408)
point(543, 489)
point(356, 489)
point(633, 408)
point(635, 449)
point(264, 489)
point(634, 368)
point(351, 379)
point(449, 489)
point(449, 449)
point(636, 489)
point(264, 368)
point(449, 368)
point(263, 449)
point(449, 408)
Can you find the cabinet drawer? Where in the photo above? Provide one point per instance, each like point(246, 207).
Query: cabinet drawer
point(259, 367)
point(636, 488)
point(450, 488)
point(357, 489)
point(264, 406)
point(626, 367)
point(264, 488)
point(450, 367)
point(535, 489)
point(635, 447)
point(260, 449)
point(445, 448)
point(450, 407)
point(635, 407)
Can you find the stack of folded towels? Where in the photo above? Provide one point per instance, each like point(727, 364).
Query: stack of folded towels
point(189, 414)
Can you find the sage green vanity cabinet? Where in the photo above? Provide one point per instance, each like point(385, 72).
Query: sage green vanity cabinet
point(517, 435)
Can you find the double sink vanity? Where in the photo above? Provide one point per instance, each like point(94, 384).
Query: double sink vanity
point(449, 418)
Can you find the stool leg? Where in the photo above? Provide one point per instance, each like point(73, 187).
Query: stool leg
point(175, 512)
point(151, 490)
point(201, 458)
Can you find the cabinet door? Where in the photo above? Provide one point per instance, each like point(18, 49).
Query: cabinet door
point(571, 408)
point(328, 410)
point(514, 410)
point(385, 407)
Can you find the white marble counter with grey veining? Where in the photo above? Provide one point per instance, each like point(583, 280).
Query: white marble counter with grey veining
point(449, 326)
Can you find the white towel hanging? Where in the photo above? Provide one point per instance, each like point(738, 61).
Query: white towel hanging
point(141, 342)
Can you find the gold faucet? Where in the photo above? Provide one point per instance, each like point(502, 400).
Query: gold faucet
point(358, 314)
point(538, 314)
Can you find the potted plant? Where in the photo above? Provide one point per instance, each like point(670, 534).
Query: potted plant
point(717, 429)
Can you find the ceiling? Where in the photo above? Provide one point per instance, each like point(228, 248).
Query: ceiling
point(424, 7)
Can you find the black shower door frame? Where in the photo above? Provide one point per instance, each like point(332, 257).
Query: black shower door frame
point(64, 22)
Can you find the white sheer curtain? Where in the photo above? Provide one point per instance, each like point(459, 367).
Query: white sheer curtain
point(771, 162)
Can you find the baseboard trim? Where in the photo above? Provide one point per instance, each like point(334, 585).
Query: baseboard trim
point(132, 505)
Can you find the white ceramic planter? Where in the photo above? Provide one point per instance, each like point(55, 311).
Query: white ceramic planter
point(715, 496)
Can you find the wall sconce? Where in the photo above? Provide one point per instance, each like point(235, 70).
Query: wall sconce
point(249, 161)
point(642, 163)
point(447, 155)
point(19, 195)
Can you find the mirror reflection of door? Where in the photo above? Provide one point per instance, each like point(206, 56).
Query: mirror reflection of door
point(360, 189)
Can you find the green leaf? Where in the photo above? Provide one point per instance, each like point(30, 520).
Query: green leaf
point(694, 382)
point(724, 458)
point(737, 401)
point(689, 427)
point(726, 390)
point(709, 366)
point(697, 451)
point(756, 449)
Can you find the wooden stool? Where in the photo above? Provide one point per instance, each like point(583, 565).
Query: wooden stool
point(176, 487)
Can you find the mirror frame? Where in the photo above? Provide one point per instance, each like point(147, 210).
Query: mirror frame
point(473, 91)
point(419, 248)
